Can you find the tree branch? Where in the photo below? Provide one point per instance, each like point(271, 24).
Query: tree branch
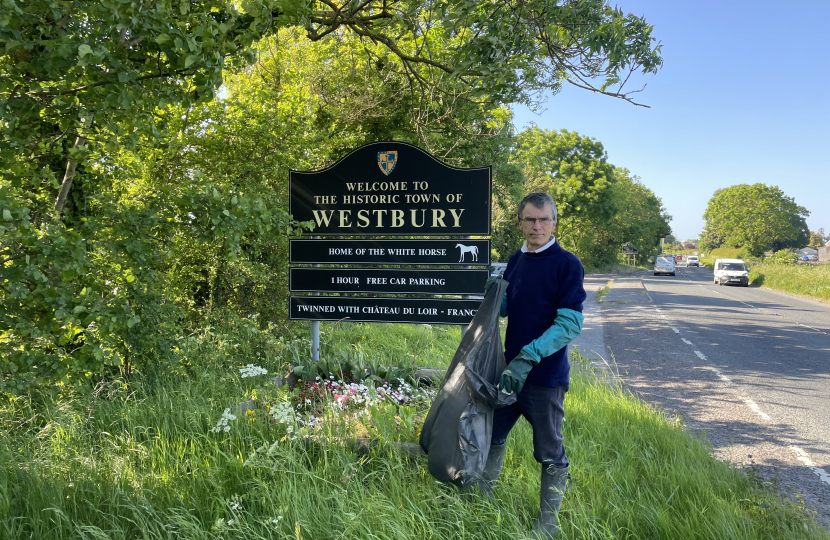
point(102, 83)
point(612, 94)
point(69, 175)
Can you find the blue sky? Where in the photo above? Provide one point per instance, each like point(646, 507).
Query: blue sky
point(742, 98)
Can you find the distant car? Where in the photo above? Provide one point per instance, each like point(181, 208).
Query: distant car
point(692, 260)
point(731, 272)
point(678, 257)
point(813, 258)
point(498, 269)
point(664, 265)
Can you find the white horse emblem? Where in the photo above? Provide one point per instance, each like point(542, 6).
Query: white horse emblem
point(472, 250)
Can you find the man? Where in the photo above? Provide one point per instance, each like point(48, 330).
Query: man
point(544, 304)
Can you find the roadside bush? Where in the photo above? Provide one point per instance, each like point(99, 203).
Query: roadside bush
point(782, 257)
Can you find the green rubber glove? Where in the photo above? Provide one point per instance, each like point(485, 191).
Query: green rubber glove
point(513, 378)
point(489, 284)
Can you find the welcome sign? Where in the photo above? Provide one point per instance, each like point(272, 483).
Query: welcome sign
point(392, 189)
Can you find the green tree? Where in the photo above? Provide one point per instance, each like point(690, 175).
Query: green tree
point(97, 72)
point(641, 219)
point(756, 217)
point(574, 170)
point(600, 206)
point(818, 238)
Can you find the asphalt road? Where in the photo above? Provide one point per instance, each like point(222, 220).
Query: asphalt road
point(747, 368)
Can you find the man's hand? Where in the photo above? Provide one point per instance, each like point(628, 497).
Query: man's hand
point(489, 284)
point(513, 378)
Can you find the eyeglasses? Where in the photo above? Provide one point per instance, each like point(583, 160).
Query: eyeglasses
point(531, 221)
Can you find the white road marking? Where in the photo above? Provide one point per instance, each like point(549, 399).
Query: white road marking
point(718, 372)
point(756, 307)
point(800, 454)
point(687, 342)
point(804, 458)
point(724, 378)
point(815, 329)
point(756, 409)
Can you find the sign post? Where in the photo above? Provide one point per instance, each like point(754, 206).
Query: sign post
point(315, 328)
point(389, 189)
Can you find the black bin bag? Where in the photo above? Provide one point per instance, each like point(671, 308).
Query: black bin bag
point(457, 431)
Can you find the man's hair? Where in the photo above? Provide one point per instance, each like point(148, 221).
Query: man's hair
point(539, 200)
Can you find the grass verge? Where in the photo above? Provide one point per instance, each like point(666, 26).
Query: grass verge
point(811, 280)
point(615, 269)
point(141, 460)
point(806, 279)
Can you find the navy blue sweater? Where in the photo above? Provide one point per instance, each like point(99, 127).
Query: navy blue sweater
point(541, 283)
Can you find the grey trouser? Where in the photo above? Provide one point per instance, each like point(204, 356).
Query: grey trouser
point(544, 408)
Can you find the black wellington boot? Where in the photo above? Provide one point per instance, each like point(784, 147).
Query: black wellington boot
point(492, 469)
point(554, 482)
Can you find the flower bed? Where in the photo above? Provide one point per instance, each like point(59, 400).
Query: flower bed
point(334, 408)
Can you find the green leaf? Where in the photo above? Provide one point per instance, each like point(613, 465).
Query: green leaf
point(132, 321)
point(7, 215)
point(226, 212)
point(161, 39)
point(84, 50)
point(190, 60)
point(130, 278)
point(79, 309)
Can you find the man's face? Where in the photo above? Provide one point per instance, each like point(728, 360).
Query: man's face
point(536, 231)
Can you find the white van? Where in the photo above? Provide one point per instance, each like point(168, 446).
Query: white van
point(664, 264)
point(731, 272)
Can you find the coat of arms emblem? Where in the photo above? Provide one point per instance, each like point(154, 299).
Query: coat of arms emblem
point(387, 161)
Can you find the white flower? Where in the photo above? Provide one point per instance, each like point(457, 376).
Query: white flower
point(252, 371)
point(222, 424)
point(283, 413)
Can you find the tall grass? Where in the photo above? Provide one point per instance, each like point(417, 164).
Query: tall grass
point(420, 345)
point(140, 461)
point(618, 268)
point(807, 279)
